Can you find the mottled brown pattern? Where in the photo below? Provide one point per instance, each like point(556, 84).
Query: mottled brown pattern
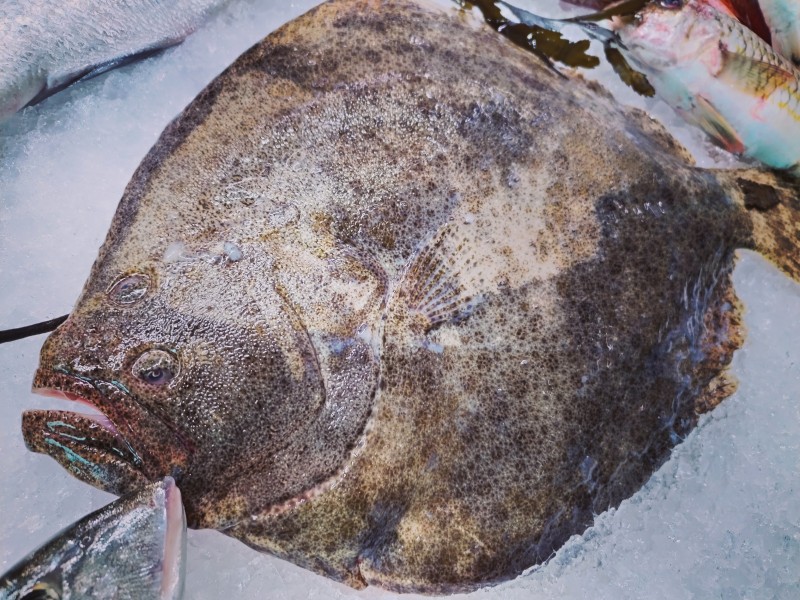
point(430, 305)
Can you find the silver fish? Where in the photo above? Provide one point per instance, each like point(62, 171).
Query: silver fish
point(46, 46)
point(132, 549)
point(393, 300)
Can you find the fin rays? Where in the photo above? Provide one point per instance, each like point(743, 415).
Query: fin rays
point(433, 287)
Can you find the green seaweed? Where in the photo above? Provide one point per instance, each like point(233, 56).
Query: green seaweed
point(634, 79)
point(550, 45)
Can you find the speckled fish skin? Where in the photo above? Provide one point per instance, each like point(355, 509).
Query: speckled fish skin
point(722, 77)
point(47, 45)
point(396, 302)
point(783, 20)
point(132, 549)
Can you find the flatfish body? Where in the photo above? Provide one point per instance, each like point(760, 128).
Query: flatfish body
point(395, 301)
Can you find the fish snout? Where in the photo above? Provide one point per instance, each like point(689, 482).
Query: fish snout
point(119, 444)
point(73, 348)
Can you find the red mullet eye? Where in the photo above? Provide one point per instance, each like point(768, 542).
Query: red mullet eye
point(156, 367)
point(129, 289)
point(671, 4)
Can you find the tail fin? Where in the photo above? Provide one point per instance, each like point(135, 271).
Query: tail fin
point(772, 203)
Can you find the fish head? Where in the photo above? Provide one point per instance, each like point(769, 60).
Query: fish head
point(667, 34)
point(192, 376)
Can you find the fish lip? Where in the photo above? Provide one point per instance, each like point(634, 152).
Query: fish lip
point(72, 434)
point(119, 412)
point(101, 419)
point(60, 383)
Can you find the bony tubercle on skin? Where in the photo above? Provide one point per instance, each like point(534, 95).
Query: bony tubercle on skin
point(215, 253)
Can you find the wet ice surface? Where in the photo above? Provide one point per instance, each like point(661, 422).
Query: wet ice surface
point(721, 519)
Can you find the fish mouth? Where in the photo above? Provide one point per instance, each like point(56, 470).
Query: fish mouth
point(118, 448)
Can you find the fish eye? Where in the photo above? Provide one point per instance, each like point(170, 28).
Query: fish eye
point(156, 367)
point(671, 4)
point(129, 289)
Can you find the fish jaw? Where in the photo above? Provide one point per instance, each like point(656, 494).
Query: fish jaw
point(100, 448)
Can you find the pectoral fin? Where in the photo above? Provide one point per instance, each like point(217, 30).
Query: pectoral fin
point(716, 126)
point(433, 289)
